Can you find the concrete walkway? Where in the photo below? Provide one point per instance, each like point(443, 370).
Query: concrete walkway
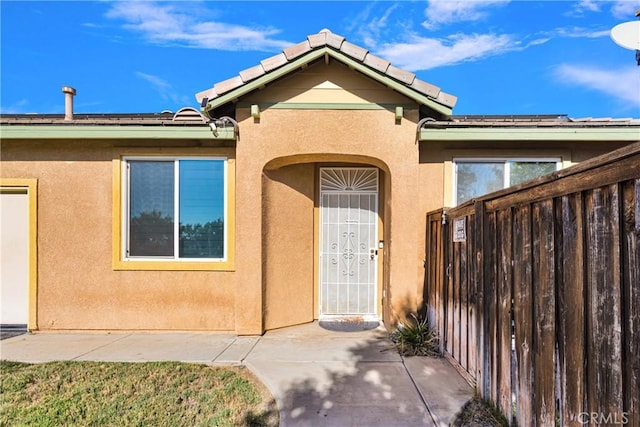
point(318, 377)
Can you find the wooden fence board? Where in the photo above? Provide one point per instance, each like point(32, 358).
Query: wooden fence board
point(604, 340)
point(631, 296)
point(503, 323)
point(449, 288)
point(481, 312)
point(571, 303)
point(491, 303)
point(473, 299)
point(567, 257)
point(455, 274)
point(523, 317)
point(464, 307)
point(544, 312)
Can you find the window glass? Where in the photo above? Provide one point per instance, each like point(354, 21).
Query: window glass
point(176, 209)
point(525, 171)
point(151, 208)
point(475, 179)
point(201, 208)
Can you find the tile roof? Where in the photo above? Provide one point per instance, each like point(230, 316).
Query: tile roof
point(528, 121)
point(327, 39)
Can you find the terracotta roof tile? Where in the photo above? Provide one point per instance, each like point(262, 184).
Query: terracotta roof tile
point(317, 40)
point(209, 94)
point(227, 85)
point(296, 50)
point(426, 88)
point(252, 73)
point(333, 40)
point(376, 63)
point(446, 99)
point(326, 38)
point(353, 51)
point(400, 74)
point(273, 62)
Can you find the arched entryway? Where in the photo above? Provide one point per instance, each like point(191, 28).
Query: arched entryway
point(322, 236)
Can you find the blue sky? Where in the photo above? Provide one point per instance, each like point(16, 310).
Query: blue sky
point(496, 56)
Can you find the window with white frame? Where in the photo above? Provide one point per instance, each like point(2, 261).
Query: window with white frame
point(476, 177)
point(174, 208)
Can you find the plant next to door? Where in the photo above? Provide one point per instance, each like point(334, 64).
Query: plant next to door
point(416, 338)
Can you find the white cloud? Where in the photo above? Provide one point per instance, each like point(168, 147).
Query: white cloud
point(587, 6)
point(186, 25)
point(421, 53)
point(445, 12)
point(622, 83)
point(577, 32)
point(370, 28)
point(18, 107)
point(164, 88)
point(625, 9)
point(620, 9)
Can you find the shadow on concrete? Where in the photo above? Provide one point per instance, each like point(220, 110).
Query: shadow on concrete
point(348, 326)
point(322, 377)
point(9, 331)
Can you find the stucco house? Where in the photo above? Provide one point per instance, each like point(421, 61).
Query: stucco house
point(297, 191)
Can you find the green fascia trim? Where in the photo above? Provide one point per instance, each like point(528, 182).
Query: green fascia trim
point(327, 106)
point(112, 132)
point(312, 56)
point(631, 134)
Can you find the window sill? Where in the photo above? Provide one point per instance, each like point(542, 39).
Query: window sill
point(173, 265)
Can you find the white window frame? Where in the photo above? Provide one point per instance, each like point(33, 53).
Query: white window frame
point(126, 204)
point(507, 168)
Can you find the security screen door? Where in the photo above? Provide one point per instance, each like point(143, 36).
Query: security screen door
point(348, 241)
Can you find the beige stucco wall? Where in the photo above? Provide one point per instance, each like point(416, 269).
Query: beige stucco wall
point(288, 245)
point(77, 286)
point(320, 137)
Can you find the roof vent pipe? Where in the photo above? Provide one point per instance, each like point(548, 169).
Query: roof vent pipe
point(69, 93)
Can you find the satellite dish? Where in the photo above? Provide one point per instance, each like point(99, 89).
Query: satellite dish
point(627, 35)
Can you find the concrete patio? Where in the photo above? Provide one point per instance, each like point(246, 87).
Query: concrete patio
point(318, 377)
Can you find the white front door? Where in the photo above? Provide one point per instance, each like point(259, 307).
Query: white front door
point(14, 264)
point(348, 241)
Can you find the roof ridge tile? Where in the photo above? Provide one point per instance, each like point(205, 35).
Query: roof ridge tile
point(404, 76)
point(327, 39)
point(292, 52)
point(353, 51)
point(317, 40)
point(273, 62)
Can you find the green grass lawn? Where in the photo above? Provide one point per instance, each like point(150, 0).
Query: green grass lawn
point(132, 394)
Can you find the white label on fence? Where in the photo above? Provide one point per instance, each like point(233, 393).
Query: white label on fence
point(460, 229)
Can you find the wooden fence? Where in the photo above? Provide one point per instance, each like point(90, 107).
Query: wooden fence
point(535, 293)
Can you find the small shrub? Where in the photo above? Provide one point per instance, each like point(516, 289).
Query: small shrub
point(480, 413)
point(416, 338)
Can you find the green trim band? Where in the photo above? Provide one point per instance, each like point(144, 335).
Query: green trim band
point(630, 134)
point(327, 106)
point(113, 132)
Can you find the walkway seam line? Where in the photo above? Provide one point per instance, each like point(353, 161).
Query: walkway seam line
point(434, 417)
point(249, 352)
point(102, 346)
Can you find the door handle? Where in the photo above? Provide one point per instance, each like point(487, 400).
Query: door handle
point(373, 253)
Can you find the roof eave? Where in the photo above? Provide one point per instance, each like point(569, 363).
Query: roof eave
point(51, 132)
point(236, 94)
point(629, 133)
